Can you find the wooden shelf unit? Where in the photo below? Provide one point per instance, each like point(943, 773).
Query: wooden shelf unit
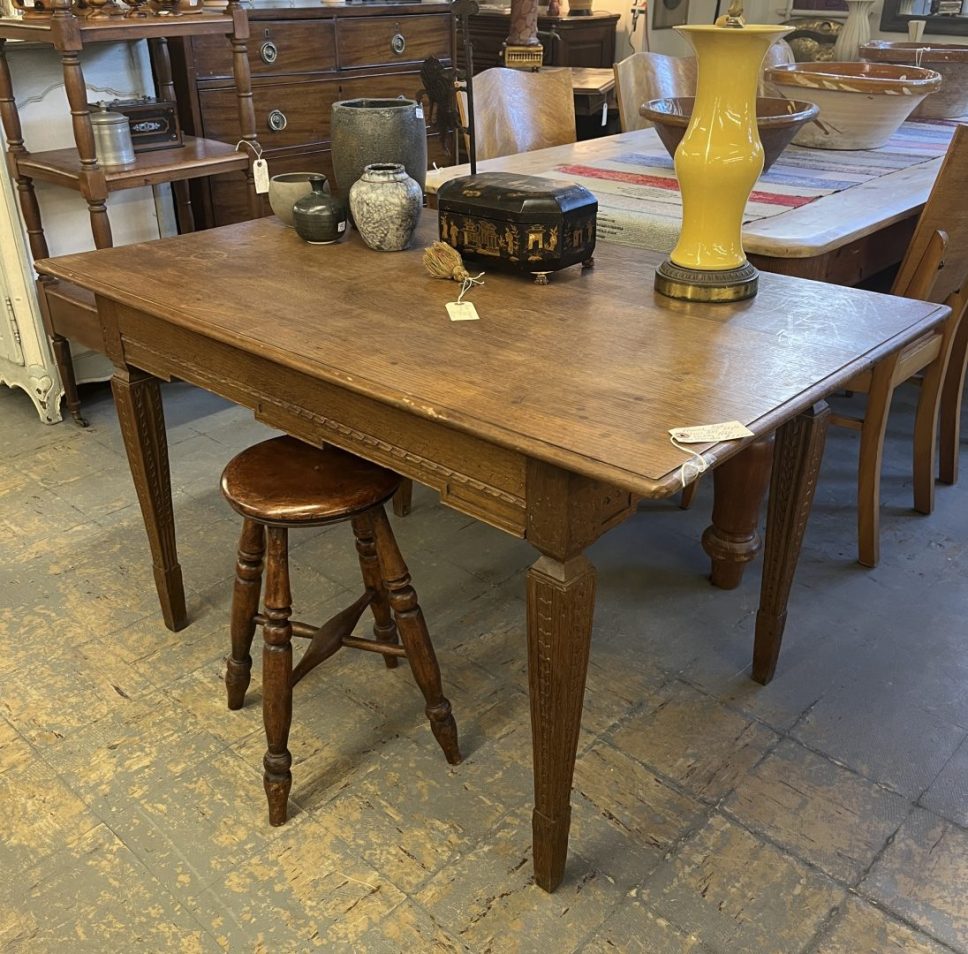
point(67, 312)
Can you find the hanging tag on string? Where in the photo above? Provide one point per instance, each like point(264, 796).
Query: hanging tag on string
point(260, 176)
point(260, 168)
point(461, 310)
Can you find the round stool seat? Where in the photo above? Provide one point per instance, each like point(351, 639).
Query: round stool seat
point(285, 482)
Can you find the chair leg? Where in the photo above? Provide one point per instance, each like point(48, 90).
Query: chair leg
point(869, 470)
point(245, 605)
point(952, 392)
point(416, 639)
point(277, 676)
point(384, 628)
point(65, 367)
point(926, 436)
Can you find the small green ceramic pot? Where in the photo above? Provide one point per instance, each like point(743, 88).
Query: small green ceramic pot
point(319, 218)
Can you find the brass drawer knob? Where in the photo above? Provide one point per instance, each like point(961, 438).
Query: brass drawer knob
point(398, 43)
point(277, 120)
point(269, 52)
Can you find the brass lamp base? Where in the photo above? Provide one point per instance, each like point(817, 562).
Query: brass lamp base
point(698, 284)
point(523, 57)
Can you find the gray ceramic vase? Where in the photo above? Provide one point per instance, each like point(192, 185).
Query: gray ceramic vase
point(386, 204)
point(366, 131)
point(319, 218)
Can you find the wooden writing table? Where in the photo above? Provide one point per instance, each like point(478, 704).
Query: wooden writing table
point(548, 418)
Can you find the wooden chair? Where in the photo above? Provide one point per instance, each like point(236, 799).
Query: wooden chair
point(644, 76)
point(934, 268)
point(282, 484)
point(516, 111)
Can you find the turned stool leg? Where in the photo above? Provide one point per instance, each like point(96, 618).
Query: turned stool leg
point(416, 639)
point(245, 604)
point(384, 628)
point(277, 675)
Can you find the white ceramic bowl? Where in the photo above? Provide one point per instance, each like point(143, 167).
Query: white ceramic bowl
point(861, 104)
point(948, 59)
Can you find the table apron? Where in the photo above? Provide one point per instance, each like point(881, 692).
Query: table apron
point(478, 478)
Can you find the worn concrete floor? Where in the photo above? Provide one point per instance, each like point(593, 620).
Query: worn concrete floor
point(825, 813)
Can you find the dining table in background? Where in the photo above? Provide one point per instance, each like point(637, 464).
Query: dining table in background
point(830, 215)
point(548, 418)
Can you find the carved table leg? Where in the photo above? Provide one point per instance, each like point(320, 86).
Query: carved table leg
point(277, 676)
point(137, 398)
point(796, 464)
point(561, 601)
point(739, 485)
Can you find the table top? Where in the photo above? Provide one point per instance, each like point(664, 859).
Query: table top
point(588, 372)
point(800, 230)
point(589, 80)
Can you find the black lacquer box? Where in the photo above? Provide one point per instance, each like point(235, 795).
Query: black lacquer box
point(520, 223)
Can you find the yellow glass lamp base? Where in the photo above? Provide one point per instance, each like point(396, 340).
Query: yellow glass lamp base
point(703, 284)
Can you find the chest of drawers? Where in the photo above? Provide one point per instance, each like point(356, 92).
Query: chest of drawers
point(303, 57)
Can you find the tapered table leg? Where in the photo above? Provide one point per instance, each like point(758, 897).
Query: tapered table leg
point(732, 540)
point(796, 464)
point(561, 601)
point(137, 398)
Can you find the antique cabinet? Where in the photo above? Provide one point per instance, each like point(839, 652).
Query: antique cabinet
point(304, 56)
point(567, 40)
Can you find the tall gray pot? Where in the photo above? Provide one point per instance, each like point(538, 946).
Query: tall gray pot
point(368, 131)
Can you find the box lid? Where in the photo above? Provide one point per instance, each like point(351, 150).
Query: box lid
point(514, 197)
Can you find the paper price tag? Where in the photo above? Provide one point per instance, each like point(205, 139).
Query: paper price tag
point(419, 112)
point(462, 311)
point(710, 433)
point(341, 227)
point(260, 175)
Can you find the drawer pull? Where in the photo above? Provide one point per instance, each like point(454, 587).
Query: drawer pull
point(398, 43)
point(277, 120)
point(269, 52)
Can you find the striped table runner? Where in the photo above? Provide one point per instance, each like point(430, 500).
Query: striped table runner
point(638, 193)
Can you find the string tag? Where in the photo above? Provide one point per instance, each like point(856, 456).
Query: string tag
point(710, 433)
point(260, 168)
point(461, 310)
point(419, 112)
point(260, 176)
point(703, 434)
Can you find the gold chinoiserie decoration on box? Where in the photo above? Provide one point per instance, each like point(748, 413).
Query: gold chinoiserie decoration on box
point(717, 163)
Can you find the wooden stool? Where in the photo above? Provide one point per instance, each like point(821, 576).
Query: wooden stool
point(283, 483)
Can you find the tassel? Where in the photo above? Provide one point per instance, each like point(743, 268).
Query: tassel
point(442, 261)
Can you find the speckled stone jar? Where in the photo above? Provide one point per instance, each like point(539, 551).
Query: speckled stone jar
point(385, 203)
point(366, 131)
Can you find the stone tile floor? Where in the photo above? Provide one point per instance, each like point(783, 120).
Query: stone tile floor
point(824, 813)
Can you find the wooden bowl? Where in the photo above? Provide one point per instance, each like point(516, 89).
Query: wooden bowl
point(777, 120)
point(948, 59)
point(861, 104)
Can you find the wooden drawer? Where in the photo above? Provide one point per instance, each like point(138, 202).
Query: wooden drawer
point(300, 113)
point(382, 86)
point(276, 48)
point(230, 203)
point(377, 41)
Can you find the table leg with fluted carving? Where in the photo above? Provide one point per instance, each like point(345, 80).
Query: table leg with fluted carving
point(137, 397)
point(796, 465)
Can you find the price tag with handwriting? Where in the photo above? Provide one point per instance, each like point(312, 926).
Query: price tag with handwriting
point(260, 176)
